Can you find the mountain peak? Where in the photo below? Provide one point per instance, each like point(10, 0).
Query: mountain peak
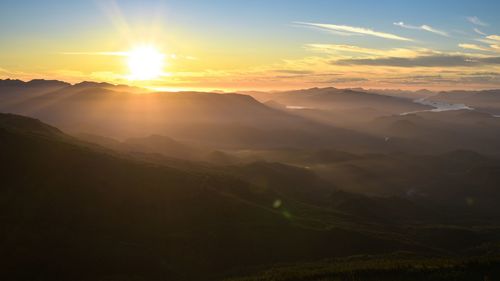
point(44, 82)
point(13, 122)
point(85, 84)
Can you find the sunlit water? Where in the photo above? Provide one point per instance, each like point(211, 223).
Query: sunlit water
point(438, 106)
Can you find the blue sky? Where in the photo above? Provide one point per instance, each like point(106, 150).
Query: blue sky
point(34, 16)
point(269, 30)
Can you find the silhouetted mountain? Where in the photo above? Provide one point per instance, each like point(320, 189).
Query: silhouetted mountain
point(458, 179)
point(440, 131)
point(14, 91)
point(345, 108)
point(218, 120)
point(22, 124)
point(333, 98)
point(413, 95)
point(67, 205)
point(487, 100)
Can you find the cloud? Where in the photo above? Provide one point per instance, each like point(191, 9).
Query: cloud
point(494, 37)
point(4, 73)
point(486, 41)
point(395, 52)
point(345, 80)
point(474, 47)
point(485, 73)
point(478, 31)
point(491, 60)
point(121, 54)
point(355, 30)
point(433, 30)
point(492, 40)
point(463, 79)
point(423, 61)
point(291, 71)
point(422, 27)
point(475, 20)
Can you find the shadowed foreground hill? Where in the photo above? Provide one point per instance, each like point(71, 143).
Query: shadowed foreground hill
point(72, 211)
point(400, 267)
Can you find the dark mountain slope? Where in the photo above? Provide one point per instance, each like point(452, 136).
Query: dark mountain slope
point(427, 132)
point(71, 212)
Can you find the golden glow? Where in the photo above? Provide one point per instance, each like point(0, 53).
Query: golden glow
point(145, 63)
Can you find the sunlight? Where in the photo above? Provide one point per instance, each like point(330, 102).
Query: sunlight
point(145, 63)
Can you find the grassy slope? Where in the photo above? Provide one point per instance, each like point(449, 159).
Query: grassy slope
point(73, 211)
point(400, 266)
point(70, 211)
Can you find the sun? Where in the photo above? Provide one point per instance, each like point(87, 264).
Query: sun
point(145, 63)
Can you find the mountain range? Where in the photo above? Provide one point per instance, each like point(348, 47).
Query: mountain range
point(110, 182)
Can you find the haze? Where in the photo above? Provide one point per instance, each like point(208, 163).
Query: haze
point(249, 140)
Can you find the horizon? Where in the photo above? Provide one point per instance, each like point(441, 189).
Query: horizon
point(228, 46)
point(228, 91)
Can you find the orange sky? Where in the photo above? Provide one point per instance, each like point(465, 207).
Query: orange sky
point(231, 47)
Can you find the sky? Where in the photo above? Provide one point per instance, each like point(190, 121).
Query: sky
point(255, 45)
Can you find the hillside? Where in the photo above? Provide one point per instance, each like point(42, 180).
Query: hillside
point(76, 204)
point(66, 204)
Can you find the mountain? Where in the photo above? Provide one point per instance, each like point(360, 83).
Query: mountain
point(163, 145)
point(457, 179)
point(15, 91)
point(399, 266)
point(333, 98)
point(345, 108)
point(65, 205)
point(217, 120)
point(413, 95)
point(440, 131)
point(76, 211)
point(487, 100)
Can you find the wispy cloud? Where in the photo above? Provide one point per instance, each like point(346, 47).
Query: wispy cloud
point(292, 71)
point(494, 37)
point(355, 30)
point(474, 47)
point(492, 40)
point(475, 20)
point(343, 80)
point(478, 31)
point(394, 52)
point(422, 27)
point(433, 30)
point(120, 54)
point(423, 61)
